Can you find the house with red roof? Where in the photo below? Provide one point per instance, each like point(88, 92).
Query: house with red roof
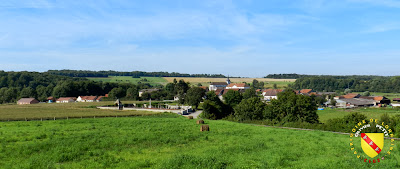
point(238, 86)
point(66, 100)
point(86, 99)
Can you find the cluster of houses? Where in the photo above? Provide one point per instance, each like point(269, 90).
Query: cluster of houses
point(352, 100)
point(63, 99)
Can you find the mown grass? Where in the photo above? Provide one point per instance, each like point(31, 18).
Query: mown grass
point(60, 110)
point(376, 113)
point(129, 79)
point(171, 141)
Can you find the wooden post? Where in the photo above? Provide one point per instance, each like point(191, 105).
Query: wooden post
point(26, 119)
point(67, 117)
point(54, 118)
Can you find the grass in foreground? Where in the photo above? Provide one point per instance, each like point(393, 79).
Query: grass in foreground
point(170, 141)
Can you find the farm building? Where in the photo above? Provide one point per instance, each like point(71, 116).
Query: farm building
point(378, 99)
point(51, 99)
point(305, 91)
point(147, 91)
point(66, 100)
point(396, 102)
point(356, 102)
point(238, 86)
point(27, 101)
point(217, 85)
point(100, 98)
point(86, 99)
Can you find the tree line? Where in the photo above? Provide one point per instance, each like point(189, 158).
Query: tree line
point(384, 84)
point(16, 85)
point(135, 74)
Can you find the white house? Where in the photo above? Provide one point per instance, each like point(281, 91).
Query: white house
point(217, 85)
point(86, 99)
point(66, 100)
point(238, 86)
point(147, 91)
point(270, 94)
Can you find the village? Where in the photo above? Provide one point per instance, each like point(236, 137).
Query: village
point(333, 100)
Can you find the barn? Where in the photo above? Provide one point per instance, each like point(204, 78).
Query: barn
point(27, 101)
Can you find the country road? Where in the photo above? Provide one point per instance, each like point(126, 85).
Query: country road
point(195, 114)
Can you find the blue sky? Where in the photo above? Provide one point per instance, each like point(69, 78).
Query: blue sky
point(249, 38)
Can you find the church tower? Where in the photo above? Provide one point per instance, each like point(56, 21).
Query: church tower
point(228, 81)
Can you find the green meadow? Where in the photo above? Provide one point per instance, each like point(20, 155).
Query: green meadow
point(129, 79)
point(376, 113)
point(171, 141)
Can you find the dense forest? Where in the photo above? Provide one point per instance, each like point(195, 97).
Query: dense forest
point(286, 76)
point(298, 76)
point(135, 74)
point(355, 83)
point(15, 85)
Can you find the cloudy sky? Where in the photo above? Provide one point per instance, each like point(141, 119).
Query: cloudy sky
point(241, 38)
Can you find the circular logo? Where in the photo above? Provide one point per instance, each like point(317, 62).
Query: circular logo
point(367, 141)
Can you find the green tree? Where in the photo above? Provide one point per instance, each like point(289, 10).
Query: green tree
point(232, 98)
point(214, 108)
point(347, 91)
point(27, 92)
point(42, 93)
point(249, 93)
point(250, 109)
point(290, 107)
point(117, 93)
point(132, 93)
point(366, 93)
point(194, 96)
point(275, 86)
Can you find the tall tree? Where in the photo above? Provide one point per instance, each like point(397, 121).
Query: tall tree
point(232, 98)
point(194, 96)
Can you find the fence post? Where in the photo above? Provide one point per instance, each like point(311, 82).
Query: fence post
point(41, 119)
point(54, 118)
point(67, 117)
point(26, 119)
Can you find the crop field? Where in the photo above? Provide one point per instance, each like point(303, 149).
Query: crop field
point(206, 81)
point(129, 79)
point(171, 141)
point(61, 110)
point(375, 113)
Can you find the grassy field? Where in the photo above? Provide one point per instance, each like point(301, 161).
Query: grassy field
point(129, 79)
point(171, 141)
point(281, 83)
point(376, 113)
point(60, 110)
